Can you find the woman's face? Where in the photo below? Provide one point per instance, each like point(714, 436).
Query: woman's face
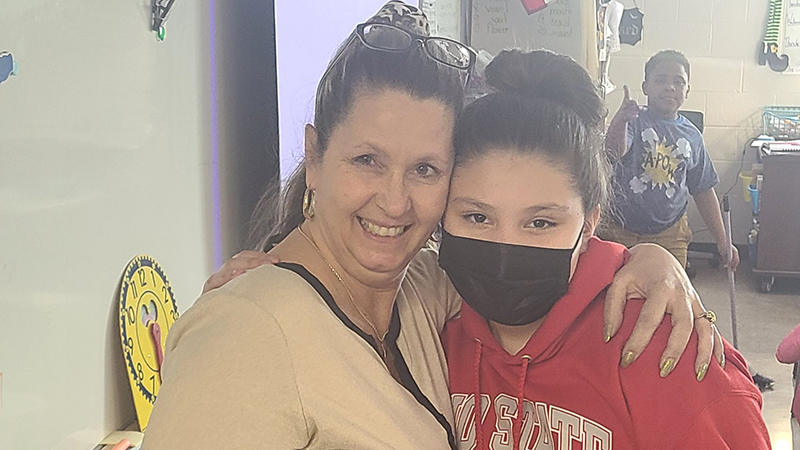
point(381, 185)
point(515, 198)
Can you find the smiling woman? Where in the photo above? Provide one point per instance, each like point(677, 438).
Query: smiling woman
point(311, 353)
point(379, 190)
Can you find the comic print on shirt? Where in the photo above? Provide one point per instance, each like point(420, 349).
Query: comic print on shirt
point(660, 163)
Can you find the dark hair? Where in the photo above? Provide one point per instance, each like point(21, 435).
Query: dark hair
point(665, 55)
point(353, 69)
point(546, 103)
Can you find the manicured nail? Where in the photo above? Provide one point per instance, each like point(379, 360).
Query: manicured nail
point(607, 333)
point(666, 368)
point(722, 361)
point(702, 372)
point(627, 359)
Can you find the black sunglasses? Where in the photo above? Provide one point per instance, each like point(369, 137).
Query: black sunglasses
point(390, 38)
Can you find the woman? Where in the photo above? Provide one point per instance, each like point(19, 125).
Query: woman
point(525, 359)
point(338, 346)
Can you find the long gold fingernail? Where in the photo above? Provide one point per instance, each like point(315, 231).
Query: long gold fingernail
point(666, 368)
point(627, 359)
point(702, 372)
point(722, 361)
point(607, 333)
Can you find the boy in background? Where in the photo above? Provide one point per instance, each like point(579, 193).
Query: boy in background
point(660, 160)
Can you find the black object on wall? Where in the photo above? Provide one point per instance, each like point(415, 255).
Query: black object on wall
point(247, 100)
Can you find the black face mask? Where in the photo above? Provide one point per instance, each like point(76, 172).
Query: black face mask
point(505, 283)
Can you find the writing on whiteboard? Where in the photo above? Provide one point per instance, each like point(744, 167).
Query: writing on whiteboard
point(444, 17)
point(556, 19)
point(496, 16)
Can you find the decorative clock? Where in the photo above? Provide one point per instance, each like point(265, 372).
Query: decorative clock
point(147, 310)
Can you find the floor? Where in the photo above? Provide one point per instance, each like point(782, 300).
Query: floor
point(763, 321)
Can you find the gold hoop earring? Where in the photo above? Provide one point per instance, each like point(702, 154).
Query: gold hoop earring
point(308, 203)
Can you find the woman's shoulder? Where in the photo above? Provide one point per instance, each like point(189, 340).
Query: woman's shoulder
point(269, 291)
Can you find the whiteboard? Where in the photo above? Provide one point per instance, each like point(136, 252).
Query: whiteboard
point(103, 155)
point(502, 24)
point(790, 35)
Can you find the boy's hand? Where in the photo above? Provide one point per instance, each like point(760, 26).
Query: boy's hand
point(628, 110)
point(734, 263)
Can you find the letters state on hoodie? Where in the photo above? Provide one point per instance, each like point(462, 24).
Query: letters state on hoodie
point(574, 394)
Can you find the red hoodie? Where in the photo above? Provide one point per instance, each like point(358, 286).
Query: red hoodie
point(575, 395)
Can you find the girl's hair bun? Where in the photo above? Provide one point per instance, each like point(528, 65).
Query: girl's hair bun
point(543, 74)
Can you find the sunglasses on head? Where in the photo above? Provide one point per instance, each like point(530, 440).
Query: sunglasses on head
point(393, 39)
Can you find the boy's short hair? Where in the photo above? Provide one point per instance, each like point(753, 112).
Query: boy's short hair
point(666, 55)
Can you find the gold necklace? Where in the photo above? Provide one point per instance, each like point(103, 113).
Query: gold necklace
point(378, 337)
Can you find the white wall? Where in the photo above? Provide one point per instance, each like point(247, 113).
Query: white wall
point(308, 33)
point(721, 39)
point(103, 155)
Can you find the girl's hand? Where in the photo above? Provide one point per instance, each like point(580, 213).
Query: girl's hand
point(654, 274)
point(239, 264)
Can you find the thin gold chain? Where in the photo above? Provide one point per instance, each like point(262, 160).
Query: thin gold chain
point(381, 339)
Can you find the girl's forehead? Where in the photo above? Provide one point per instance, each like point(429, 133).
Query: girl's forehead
point(514, 178)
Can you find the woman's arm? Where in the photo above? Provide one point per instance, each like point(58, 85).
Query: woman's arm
point(651, 273)
point(654, 274)
point(237, 265)
point(228, 382)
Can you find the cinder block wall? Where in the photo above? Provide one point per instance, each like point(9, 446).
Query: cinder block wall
point(721, 39)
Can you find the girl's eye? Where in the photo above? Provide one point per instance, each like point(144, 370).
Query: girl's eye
point(476, 218)
point(541, 223)
point(364, 160)
point(425, 170)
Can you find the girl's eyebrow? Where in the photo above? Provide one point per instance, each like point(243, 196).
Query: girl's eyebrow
point(548, 207)
point(474, 202)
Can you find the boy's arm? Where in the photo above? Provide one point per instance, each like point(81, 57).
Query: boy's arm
point(708, 205)
point(617, 134)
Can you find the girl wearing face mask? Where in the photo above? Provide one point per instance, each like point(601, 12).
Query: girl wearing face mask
point(527, 366)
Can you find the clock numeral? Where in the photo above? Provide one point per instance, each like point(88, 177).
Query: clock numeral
point(153, 276)
point(174, 315)
point(133, 287)
point(129, 343)
point(142, 277)
point(153, 379)
point(139, 371)
point(131, 315)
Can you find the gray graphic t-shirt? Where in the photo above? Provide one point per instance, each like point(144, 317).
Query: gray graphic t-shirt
point(665, 163)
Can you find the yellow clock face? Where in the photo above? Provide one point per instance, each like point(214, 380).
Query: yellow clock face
point(147, 310)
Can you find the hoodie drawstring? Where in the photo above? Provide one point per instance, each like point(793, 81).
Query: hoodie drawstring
point(477, 411)
point(517, 425)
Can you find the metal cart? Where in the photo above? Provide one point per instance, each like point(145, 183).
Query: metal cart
point(777, 219)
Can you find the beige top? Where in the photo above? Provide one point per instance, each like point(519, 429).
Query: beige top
point(264, 362)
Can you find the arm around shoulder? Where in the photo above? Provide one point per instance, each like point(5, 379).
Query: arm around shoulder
point(228, 381)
